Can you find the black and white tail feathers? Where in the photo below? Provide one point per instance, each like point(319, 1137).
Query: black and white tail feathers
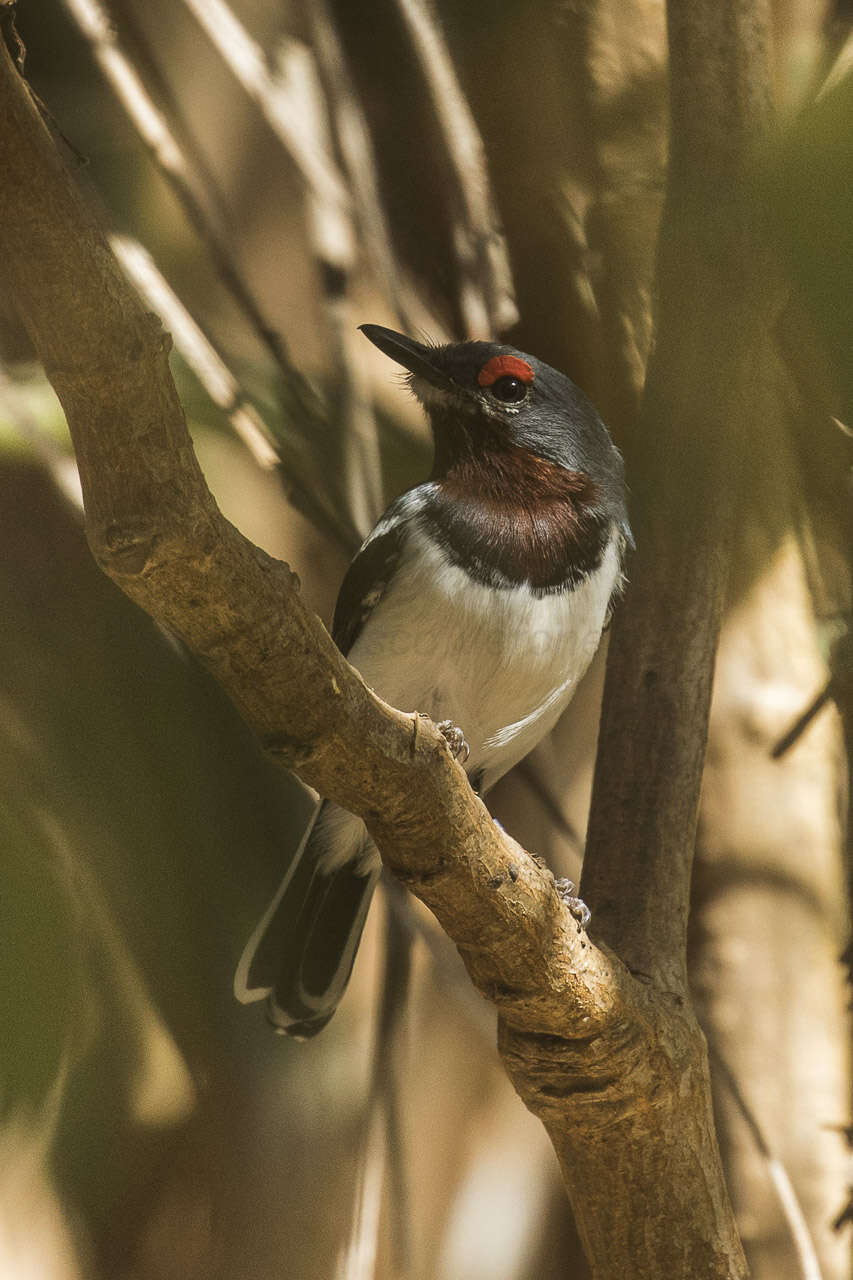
point(301, 954)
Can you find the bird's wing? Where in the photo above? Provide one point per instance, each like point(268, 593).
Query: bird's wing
point(371, 571)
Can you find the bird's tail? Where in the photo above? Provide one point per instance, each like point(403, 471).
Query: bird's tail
point(301, 954)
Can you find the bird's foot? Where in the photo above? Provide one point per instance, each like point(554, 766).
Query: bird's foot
point(577, 907)
point(455, 740)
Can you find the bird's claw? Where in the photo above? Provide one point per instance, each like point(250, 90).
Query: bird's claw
point(577, 907)
point(455, 740)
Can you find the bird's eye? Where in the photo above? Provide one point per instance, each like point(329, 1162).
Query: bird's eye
point(509, 389)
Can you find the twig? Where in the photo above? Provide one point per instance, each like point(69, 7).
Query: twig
point(840, 68)
point(530, 776)
point(282, 98)
point(197, 349)
point(291, 98)
point(355, 424)
point(357, 1259)
point(802, 722)
point(9, 34)
point(476, 1012)
point(839, 686)
point(381, 1144)
point(357, 151)
point(390, 1073)
point(224, 390)
point(487, 300)
point(170, 155)
point(351, 415)
point(789, 1202)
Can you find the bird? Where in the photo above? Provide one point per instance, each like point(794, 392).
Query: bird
point(479, 599)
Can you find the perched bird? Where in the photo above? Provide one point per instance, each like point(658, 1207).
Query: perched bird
point(479, 598)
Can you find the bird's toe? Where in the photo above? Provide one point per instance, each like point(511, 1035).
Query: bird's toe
point(455, 739)
point(577, 907)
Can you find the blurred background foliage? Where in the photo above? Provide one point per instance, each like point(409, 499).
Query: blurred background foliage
point(456, 170)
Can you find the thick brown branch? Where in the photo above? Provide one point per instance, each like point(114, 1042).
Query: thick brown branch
point(717, 296)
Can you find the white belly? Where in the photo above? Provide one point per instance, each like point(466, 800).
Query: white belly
point(502, 665)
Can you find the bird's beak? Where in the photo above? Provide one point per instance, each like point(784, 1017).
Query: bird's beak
point(414, 356)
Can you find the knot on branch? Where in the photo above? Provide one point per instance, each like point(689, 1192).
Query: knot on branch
point(551, 1071)
point(124, 549)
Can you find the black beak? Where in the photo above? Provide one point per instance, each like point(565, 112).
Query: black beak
point(414, 356)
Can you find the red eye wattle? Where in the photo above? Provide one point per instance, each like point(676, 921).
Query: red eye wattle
point(502, 367)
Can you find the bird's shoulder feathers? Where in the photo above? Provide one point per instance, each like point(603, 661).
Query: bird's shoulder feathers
point(368, 577)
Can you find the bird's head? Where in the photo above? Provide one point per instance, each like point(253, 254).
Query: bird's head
point(487, 400)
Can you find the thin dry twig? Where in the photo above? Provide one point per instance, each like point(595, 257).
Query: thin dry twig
point(550, 803)
point(356, 148)
point(161, 137)
point(357, 1258)
point(381, 1154)
point(351, 411)
point(792, 1210)
point(841, 67)
point(290, 96)
point(197, 349)
point(282, 98)
point(210, 367)
point(487, 300)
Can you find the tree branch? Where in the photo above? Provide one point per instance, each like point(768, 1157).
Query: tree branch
point(717, 294)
